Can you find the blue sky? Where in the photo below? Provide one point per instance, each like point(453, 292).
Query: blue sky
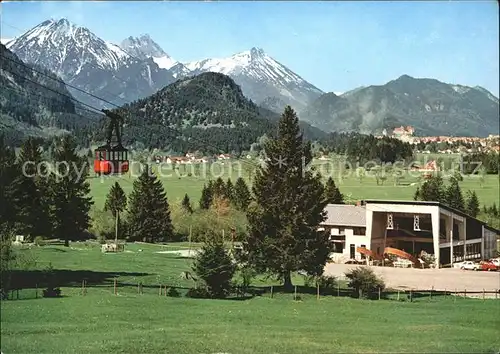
point(336, 46)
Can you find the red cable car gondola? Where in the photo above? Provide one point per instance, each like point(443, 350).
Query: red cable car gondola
point(111, 159)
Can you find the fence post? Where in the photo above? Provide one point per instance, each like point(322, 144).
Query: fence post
point(465, 293)
point(114, 286)
point(411, 297)
point(398, 295)
point(317, 291)
point(271, 291)
point(36, 291)
point(455, 297)
point(165, 290)
point(379, 292)
point(83, 287)
point(338, 289)
point(138, 291)
point(483, 294)
point(159, 290)
point(295, 293)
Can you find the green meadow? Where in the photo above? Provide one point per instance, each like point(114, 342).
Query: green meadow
point(129, 322)
point(189, 179)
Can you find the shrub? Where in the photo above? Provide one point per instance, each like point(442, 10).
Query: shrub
point(364, 282)
point(39, 241)
point(198, 293)
point(50, 277)
point(172, 292)
point(327, 284)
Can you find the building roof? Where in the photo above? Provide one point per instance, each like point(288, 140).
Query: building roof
point(430, 203)
point(345, 215)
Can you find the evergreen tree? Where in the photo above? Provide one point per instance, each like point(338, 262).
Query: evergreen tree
point(283, 225)
point(229, 190)
point(24, 201)
point(116, 202)
point(8, 172)
point(186, 204)
point(206, 197)
point(332, 192)
point(416, 196)
point(432, 190)
point(69, 192)
point(219, 188)
point(453, 195)
point(36, 190)
point(241, 195)
point(215, 267)
point(472, 204)
point(149, 212)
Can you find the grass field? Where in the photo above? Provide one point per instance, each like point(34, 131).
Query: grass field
point(179, 183)
point(131, 323)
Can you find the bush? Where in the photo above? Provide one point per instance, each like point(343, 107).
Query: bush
point(39, 241)
point(50, 277)
point(364, 282)
point(198, 293)
point(172, 292)
point(327, 284)
point(52, 292)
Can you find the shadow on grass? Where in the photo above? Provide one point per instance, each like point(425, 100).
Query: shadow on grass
point(21, 279)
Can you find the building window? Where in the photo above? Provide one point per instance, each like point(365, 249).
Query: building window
point(360, 231)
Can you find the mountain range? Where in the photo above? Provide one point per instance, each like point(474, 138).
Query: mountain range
point(138, 67)
point(430, 106)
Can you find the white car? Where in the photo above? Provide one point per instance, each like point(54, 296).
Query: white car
point(469, 265)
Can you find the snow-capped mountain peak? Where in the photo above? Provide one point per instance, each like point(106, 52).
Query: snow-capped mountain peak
point(144, 47)
point(65, 48)
point(273, 79)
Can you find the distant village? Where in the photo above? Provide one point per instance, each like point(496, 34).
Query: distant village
point(458, 144)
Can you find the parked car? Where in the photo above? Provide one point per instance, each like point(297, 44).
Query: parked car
point(469, 265)
point(487, 265)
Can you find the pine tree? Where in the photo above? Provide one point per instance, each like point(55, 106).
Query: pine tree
point(37, 193)
point(116, 202)
point(283, 225)
point(229, 190)
point(149, 212)
point(186, 204)
point(472, 204)
point(69, 192)
point(215, 267)
point(453, 195)
point(219, 188)
point(241, 195)
point(432, 190)
point(332, 192)
point(416, 196)
point(8, 172)
point(206, 197)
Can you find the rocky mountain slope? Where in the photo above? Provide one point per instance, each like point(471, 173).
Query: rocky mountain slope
point(207, 112)
point(34, 104)
point(430, 106)
point(86, 61)
point(261, 77)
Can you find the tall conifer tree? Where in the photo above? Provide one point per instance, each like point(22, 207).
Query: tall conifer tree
point(283, 225)
point(116, 202)
point(241, 195)
point(149, 217)
point(70, 199)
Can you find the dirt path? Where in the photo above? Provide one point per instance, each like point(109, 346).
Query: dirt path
point(423, 279)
